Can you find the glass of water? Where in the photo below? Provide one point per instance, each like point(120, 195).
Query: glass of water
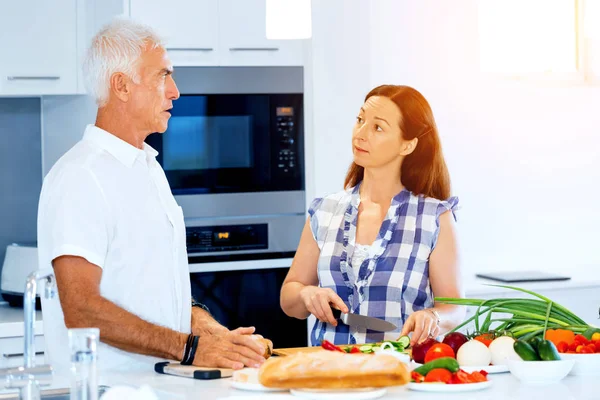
point(83, 343)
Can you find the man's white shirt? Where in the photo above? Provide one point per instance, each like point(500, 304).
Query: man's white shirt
point(110, 203)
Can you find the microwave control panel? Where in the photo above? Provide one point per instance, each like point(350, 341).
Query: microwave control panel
point(286, 131)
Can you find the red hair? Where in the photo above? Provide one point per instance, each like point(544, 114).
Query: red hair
point(424, 171)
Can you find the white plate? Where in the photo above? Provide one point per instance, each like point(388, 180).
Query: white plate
point(254, 387)
point(447, 388)
point(342, 394)
point(490, 369)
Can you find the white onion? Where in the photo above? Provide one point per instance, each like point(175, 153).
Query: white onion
point(473, 353)
point(502, 349)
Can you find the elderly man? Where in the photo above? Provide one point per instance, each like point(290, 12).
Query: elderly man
point(111, 229)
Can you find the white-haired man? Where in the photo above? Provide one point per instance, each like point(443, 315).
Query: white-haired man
point(111, 229)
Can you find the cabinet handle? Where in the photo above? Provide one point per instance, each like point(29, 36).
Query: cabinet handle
point(253, 48)
point(191, 48)
point(33, 78)
point(15, 355)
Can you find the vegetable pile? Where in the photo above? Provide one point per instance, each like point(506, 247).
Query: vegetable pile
point(400, 346)
point(528, 317)
point(445, 370)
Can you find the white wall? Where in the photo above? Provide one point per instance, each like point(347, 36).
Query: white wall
point(523, 158)
point(340, 81)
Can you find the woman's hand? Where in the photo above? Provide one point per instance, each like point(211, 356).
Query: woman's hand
point(424, 324)
point(318, 301)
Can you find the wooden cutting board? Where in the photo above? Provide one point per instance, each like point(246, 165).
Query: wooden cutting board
point(294, 350)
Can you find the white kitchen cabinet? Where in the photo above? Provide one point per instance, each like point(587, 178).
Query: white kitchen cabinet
point(38, 47)
point(189, 28)
point(243, 41)
point(12, 348)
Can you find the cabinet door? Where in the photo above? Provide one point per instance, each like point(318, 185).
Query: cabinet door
point(243, 40)
point(38, 44)
point(12, 348)
point(189, 28)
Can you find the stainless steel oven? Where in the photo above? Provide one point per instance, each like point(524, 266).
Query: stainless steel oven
point(234, 157)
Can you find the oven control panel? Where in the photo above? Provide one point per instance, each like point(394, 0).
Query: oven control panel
point(204, 239)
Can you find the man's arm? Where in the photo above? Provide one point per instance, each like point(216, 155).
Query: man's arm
point(78, 284)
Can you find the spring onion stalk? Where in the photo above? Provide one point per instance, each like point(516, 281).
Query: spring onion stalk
point(519, 317)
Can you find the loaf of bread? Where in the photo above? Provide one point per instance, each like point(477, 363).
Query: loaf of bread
point(333, 370)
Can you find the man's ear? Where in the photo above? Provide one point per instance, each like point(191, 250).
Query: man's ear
point(409, 146)
point(120, 86)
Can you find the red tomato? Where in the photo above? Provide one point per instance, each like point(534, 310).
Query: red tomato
point(580, 339)
point(597, 346)
point(587, 349)
point(439, 350)
point(486, 338)
point(562, 347)
point(573, 346)
point(477, 376)
point(460, 377)
point(438, 375)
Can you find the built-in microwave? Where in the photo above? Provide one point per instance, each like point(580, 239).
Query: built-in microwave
point(233, 154)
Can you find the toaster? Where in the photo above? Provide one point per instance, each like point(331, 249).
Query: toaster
point(20, 260)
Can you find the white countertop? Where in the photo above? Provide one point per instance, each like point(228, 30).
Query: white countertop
point(504, 386)
point(475, 287)
point(11, 321)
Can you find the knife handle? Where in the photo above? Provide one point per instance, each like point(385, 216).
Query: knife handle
point(336, 313)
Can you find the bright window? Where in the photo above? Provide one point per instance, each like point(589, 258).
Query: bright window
point(540, 38)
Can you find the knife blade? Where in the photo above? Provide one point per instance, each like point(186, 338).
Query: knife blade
point(362, 321)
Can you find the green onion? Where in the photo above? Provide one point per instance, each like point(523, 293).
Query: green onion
point(527, 317)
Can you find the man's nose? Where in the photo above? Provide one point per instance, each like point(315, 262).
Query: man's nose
point(173, 91)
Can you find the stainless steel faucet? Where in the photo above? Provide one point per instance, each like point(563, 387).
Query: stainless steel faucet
point(30, 377)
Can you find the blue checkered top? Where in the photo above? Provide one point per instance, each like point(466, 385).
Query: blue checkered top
point(393, 281)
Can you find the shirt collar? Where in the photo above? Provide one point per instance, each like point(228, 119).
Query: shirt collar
point(118, 148)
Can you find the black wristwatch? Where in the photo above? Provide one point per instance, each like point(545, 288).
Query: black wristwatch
point(202, 306)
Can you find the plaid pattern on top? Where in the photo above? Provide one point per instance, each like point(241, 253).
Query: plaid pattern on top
point(393, 281)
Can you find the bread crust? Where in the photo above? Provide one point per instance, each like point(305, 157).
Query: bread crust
point(333, 370)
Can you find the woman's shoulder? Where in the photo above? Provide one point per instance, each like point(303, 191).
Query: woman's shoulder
point(436, 207)
point(331, 201)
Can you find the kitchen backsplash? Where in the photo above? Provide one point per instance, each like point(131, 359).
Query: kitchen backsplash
point(20, 170)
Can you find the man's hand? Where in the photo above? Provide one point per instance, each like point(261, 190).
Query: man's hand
point(232, 349)
point(204, 324)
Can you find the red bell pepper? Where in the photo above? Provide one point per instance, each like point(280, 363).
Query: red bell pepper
point(327, 345)
point(416, 377)
point(562, 347)
point(354, 350)
point(580, 339)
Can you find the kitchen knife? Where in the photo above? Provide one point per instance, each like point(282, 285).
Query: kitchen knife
point(362, 321)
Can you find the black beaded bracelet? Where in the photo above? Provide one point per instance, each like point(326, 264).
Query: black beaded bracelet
point(185, 360)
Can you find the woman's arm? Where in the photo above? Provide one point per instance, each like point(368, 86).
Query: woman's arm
point(444, 274)
point(300, 295)
point(445, 279)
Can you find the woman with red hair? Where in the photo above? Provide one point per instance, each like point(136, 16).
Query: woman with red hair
point(385, 246)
